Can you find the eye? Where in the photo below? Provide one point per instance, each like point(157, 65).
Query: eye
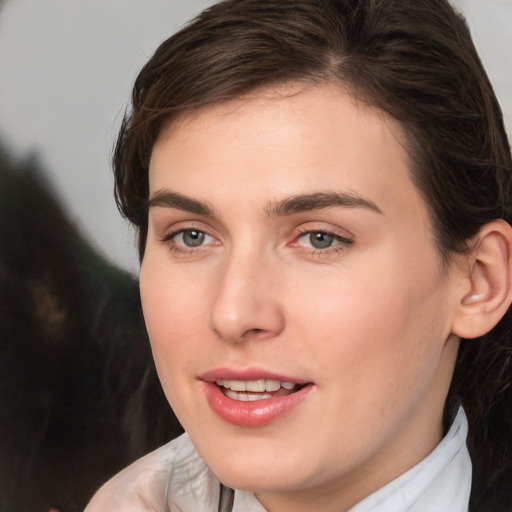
point(191, 237)
point(321, 240)
point(188, 239)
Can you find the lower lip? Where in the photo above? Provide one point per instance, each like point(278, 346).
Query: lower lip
point(253, 414)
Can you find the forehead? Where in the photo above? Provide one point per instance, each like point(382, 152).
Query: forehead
point(280, 101)
point(290, 133)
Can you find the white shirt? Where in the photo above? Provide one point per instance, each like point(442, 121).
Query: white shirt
point(441, 482)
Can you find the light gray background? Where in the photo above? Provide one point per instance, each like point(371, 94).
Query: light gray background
point(66, 69)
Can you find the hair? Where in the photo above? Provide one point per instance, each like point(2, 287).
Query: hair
point(414, 60)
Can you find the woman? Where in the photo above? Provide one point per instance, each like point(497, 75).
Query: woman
point(322, 194)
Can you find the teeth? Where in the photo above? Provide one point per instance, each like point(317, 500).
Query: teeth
point(237, 385)
point(245, 397)
point(272, 385)
point(255, 386)
point(258, 386)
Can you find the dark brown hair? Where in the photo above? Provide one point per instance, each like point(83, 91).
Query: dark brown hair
point(413, 60)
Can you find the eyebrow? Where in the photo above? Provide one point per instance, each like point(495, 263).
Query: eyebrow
point(289, 206)
point(320, 201)
point(169, 199)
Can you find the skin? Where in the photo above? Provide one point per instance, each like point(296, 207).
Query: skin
point(367, 321)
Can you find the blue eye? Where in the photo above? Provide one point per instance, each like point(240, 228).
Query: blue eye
point(189, 241)
point(320, 240)
point(191, 237)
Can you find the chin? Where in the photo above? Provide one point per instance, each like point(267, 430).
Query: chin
point(260, 481)
point(258, 471)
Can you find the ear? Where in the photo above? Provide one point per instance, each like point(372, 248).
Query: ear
point(488, 293)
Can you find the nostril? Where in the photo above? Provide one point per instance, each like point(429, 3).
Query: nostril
point(256, 332)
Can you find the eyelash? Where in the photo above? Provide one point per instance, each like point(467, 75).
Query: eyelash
point(169, 240)
point(344, 242)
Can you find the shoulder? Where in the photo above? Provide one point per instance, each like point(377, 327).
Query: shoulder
point(142, 485)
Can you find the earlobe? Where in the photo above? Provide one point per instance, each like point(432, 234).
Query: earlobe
point(490, 282)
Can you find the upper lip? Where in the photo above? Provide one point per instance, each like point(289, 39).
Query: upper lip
point(248, 374)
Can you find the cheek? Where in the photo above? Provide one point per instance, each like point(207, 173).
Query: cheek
point(376, 328)
point(173, 312)
point(376, 344)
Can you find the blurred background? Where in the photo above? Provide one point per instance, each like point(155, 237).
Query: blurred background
point(66, 69)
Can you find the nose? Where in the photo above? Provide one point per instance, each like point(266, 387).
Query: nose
point(246, 302)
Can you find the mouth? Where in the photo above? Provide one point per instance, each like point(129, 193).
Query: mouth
point(253, 398)
point(252, 390)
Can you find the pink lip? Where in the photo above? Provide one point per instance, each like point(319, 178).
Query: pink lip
point(253, 414)
point(248, 374)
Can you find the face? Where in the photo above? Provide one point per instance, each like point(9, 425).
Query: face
point(298, 310)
